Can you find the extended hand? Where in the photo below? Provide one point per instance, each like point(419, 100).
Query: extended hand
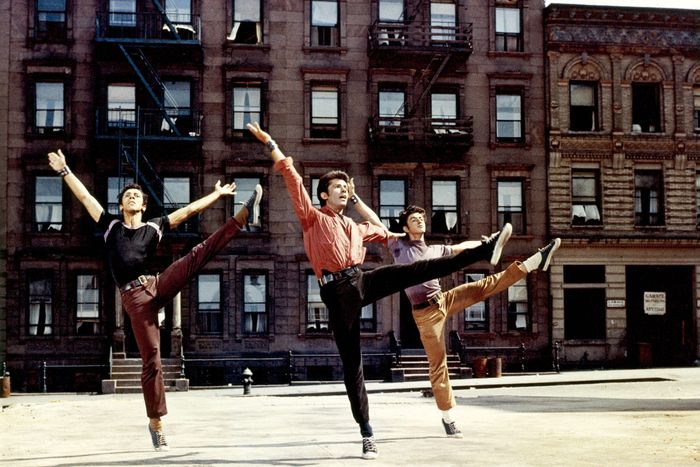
point(393, 235)
point(351, 188)
point(57, 161)
point(225, 190)
point(258, 132)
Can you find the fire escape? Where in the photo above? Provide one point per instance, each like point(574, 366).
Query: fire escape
point(141, 40)
point(433, 46)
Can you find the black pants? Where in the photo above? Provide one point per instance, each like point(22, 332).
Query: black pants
point(346, 297)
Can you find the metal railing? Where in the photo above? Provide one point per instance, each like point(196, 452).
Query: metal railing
point(420, 35)
point(421, 130)
point(148, 27)
point(150, 123)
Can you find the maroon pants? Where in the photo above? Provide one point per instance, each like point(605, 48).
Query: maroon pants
point(142, 305)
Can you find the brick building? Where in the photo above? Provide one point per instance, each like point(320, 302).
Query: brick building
point(436, 103)
point(623, 87)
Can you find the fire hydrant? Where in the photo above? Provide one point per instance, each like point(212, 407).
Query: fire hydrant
point(247, 380)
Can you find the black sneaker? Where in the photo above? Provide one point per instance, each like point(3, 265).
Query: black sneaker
point(497, 241)
point(158, 440)
point(451, 429)
point(369, 448)
point(253, 206)
point(547, 253)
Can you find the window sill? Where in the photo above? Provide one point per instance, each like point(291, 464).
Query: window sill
point(336, 141)
point(508, 144)
point(585, 342)
point(33, 135)
point(229, 44)
point(324, 49)
point(592, 227)
point(659, 228)
point(498, 53)
point(315, 335)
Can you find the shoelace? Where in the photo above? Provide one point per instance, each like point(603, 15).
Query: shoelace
point(451, 428)
point(160, 439)
point(368, 445)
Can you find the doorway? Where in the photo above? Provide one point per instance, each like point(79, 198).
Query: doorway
point(660, 326)
point(410, 337)
point(132, 349)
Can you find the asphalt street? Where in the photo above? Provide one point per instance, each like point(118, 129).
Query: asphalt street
point(588, 418)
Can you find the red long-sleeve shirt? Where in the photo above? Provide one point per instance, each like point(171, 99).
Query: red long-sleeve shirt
point(332, 241)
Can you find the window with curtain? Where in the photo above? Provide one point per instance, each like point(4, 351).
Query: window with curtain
point(475, 316)
point(697, 197)
point(509, 36)
point(122, 13)
point(50, 20)
point(696, 109)
point(317, 319)
point(444, 219)
point(40, 316)
point(648, 198)
point(518, 307)
point(509, 117)
point(646, 108)
point(244, 189)
point(583, 109)
point(87, 303)
point(511, 206)
point(443, 21)
point(247, 22)
point(255, 303)
point(209, 310)
point(392, 200)
point(177, 97)
point(443, 111)
point(247, 104)
point(114, 187)
point(121, 105)
point(325, 111)
point(585, 197)
point(391, 106)
point(49, 107)
point(48, 204)
point(325, 29)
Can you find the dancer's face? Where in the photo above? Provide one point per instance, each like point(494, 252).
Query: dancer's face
point(415, 224)
point(132, 201)
point(337, 195)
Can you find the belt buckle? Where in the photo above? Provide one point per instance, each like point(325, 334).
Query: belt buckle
point(142, 279)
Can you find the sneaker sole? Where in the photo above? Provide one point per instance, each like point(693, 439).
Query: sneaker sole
point(503, 238)
point(256, 209)
point(371, 456)
point(557, 244)
point(456, 436)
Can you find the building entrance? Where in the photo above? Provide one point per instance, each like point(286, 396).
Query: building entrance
point(132, 350)
point(660, 326)
point(410, 338)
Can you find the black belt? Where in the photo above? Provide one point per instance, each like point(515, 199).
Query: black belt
point(334, 276)
point(434, 300)
point(138, 282)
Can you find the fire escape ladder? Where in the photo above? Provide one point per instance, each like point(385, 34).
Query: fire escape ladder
point(166, 20)
point(131, 161)
point(150, 79)
point(416, 9)
point(428, 77)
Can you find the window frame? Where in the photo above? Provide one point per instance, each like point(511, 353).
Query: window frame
point(46, 34)
point(260, 26)
point(35, 204)
point(648, 121)
point(330, 33)
point(471, 328)
point(594, 109)
point(505, 35)
point(259, 85)
point(317, 327)
point(512, 312)
point(243, 194)
point(244, 305)
point(96, 320)
point(512, 92)
point(501, 214)
point(456, 207)
point(586, 174)
point(696, 109)
point(36, 276)
point(396, 207)
point(205, 318)
point(643, 199)
point(48, 131)
point(329, 130)
point(368, 325)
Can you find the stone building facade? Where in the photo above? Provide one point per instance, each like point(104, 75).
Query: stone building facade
point(623, 92)
point(436, 103)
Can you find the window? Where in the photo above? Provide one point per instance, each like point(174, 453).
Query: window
point(247, 105)
point(255, 303)
point(325, 111)
point(391, 14)
point(87, 305)
point(583, 110)
point(114, 187)
point(247, 22)
point(443, 109)
point(48, 204)
point(392, 200)
point(176, 195)
point(697, 197)
point(585, 197)
point(696, 109)
point(391, 11)
point(177, 97)
point(391, 106)
point(584, 305)
point(324, 23)
point(648, 198)
point(122, 13)
point(317, 319)
point(443, 20)
point(209, 316)
point(508, 32)
point(244, 190)
point(121, 105)
point(509, 120)
point(475, 316)
point(646, 108)
point(51, 20)
point(314, 195)
point(179, 11)
point(368, 318)
point(444, 218)
point(511, 205)
point(518, 309)
point(49, 108)
point(40, 305)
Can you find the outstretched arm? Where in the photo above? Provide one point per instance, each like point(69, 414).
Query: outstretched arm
point(266, 139)
point(181, 215)
point(465, 245)
point(368, 213)
point(57, 161)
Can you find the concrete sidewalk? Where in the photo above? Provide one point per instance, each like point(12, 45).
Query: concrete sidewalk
point(613, 417)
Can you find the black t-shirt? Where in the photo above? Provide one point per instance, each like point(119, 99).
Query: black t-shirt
point(129, 250)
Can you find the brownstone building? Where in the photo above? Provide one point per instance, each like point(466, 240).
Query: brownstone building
point(623, 87)
point(438, 103)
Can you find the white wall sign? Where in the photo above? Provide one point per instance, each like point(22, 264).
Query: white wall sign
point(655, 303)
point(616, 303)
